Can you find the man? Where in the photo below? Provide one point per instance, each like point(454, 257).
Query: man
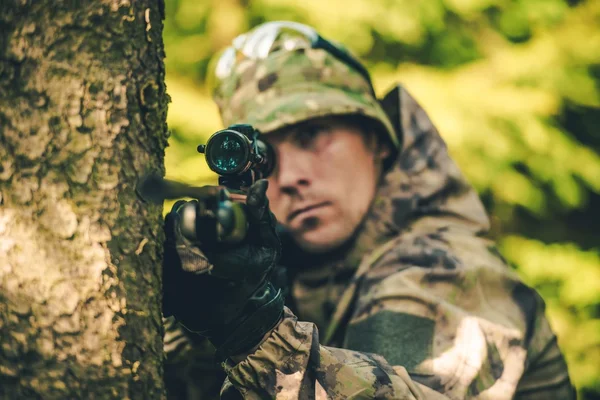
point(392, 290)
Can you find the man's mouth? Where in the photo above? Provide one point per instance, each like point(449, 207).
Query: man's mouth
point(303, 210)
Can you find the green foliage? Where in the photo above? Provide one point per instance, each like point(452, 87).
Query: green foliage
point(514, 88)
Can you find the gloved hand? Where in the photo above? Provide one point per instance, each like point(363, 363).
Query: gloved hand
point(222, 291)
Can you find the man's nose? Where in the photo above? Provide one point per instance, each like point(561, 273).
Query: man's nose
point(293, 171)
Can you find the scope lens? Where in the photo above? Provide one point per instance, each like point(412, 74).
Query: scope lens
point(227, 153)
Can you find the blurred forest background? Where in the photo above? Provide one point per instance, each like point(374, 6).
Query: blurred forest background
point(514, 88)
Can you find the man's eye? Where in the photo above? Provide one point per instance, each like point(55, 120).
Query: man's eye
point(307, 136)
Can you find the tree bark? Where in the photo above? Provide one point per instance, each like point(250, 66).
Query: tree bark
point(82, 117)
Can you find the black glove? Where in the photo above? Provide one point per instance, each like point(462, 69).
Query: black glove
point(222, 291)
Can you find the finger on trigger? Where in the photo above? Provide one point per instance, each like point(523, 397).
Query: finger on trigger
point(257, 198)
point(177, 204)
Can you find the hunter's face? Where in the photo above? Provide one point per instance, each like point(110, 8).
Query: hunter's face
point(324, 181)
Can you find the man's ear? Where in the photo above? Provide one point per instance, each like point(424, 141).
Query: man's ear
point(383, 150)
point(385, 153)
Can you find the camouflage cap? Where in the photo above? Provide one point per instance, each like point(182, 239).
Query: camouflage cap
point(289, 87)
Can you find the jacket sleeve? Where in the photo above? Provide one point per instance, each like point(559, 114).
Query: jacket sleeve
point(436, 318)
point(291, 364)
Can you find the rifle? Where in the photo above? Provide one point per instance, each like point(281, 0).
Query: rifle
point(240, 158)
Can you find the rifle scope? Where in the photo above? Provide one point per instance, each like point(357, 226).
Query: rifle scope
point(234, 151)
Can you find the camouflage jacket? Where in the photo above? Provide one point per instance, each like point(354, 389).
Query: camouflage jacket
point(422, 305)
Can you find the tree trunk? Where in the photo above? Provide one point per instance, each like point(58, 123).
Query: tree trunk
point(82, 117)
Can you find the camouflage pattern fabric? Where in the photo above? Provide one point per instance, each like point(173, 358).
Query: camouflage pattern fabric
point(291, 87)
point(432, 312)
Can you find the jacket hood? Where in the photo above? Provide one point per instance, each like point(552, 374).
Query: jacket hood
point(423, 186)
